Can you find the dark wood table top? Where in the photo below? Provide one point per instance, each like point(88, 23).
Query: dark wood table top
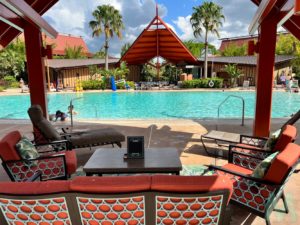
point(156, 160)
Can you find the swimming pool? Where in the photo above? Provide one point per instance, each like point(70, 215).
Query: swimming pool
point(147, 105)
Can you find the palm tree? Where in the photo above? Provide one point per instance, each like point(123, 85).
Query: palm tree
point(124, 48)
point(75, 52)
point(108, 21)
point(207, 16)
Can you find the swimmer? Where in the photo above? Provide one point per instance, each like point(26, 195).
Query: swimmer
point(60, 115)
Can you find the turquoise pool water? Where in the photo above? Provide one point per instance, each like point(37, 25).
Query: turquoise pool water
point(147, 105)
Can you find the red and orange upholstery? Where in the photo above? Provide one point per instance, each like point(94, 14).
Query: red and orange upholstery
point(255, 145)
point(259, 195)
point(52, 165)
point(116, 200)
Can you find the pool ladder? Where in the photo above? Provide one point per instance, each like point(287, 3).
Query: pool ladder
point(225, 100)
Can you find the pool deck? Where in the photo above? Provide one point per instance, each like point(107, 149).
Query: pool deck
point(184, 135)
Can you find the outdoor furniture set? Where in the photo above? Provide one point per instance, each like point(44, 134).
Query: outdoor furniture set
point(253, 178)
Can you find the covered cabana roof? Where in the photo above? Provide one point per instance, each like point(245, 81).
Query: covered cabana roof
point(158, 40)
point(13, 13)
point(18, 16)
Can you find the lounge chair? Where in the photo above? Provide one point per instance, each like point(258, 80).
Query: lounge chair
point(76, 139)
point(245, 140)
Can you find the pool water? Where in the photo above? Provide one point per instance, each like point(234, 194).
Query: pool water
point(147, 105)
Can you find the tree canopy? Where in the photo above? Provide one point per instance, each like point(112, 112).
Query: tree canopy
point(12, 59)
point(197, 48)
point(234, 50)
point(107, 20)
point(207, 16)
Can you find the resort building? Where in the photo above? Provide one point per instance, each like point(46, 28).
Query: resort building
point(247, 66)
point(65, 72)
point(242, 40)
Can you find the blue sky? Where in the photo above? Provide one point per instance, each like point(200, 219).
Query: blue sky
point(72, 17)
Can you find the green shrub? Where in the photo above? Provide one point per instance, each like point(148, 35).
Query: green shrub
point(2, 88)
point(122, 85)
point(10, 82)
point(93, 85)
point(202, 83)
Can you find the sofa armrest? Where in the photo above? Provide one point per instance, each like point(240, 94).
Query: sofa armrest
point(236, 174)
point(254, 141)
point(51, 167)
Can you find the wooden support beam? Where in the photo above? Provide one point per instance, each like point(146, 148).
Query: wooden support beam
point(35, 67)
point(264, 78)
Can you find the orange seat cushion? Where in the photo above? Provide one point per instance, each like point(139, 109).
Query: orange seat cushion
point(190, 183)
point(283, 163)
point(111, 184)
point(287, 136)
point(238, 169)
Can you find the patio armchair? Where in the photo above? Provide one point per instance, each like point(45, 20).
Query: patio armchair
point(259, 195)
point(257, 145)
point(82, 139)
point(51, 164)
point(287, 133)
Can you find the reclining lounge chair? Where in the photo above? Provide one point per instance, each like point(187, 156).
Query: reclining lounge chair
point(76, 139)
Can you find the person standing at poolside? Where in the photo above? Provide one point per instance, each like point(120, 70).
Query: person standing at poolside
point(282, 78)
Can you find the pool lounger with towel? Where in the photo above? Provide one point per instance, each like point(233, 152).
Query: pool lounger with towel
point(82, 139)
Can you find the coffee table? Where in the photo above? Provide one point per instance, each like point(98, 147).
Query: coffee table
point(111, 161)
point(219, 137)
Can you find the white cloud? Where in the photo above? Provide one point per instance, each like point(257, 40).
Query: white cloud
point(238, 15)
point(184, 25)
point(72, 17)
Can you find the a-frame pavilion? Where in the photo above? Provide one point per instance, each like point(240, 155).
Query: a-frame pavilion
point(158, 40)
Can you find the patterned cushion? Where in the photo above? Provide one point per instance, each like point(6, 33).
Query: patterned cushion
point(270, 144)
point(262, 168)
point(26, 149)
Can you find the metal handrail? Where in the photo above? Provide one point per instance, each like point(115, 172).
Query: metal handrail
point(243, 112)
point(71, 109)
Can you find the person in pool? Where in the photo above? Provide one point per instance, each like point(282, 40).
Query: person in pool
point(61, 115)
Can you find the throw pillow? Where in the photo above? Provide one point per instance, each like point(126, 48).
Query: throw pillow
point(270, 144)
point(26, 149)
point(262, 168)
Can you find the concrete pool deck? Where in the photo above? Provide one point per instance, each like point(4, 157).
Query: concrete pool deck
point(184, 135)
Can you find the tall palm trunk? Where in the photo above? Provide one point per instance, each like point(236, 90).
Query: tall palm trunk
point(205, 55)
point(106, 52)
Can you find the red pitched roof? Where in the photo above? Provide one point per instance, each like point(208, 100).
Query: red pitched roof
point(158, 40)
point(64, 41)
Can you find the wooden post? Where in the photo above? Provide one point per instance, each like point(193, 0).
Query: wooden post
point(35, 67)
point(264, 78)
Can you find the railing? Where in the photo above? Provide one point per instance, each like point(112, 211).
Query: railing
point(71, 109)
point(243, 111)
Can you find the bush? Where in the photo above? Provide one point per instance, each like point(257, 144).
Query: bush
point(203, 83)
point(122, 85)
point(93, 85)
point(2, 88)
point(10, 82)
